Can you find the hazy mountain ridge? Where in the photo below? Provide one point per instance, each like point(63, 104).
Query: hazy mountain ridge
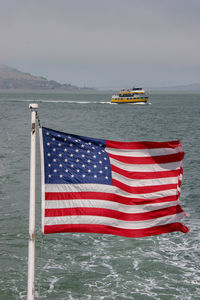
point(11, 78)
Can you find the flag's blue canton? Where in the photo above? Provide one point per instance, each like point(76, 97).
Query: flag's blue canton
point(71, 159)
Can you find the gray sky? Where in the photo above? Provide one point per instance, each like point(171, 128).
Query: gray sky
point(103, 43)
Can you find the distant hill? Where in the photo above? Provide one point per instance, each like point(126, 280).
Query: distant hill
point(11, 78)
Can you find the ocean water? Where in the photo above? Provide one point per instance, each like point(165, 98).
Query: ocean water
point(93, 266)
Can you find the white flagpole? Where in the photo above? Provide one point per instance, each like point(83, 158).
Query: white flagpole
point(31, 245)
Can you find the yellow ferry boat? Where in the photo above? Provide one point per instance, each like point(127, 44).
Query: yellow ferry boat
point(134, 95)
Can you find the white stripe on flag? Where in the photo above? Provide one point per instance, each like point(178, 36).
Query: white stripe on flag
point(103, 188)
point(146, 168)
point(95, 203)
point(144, 152)
point(97, 220)
point(144, 182)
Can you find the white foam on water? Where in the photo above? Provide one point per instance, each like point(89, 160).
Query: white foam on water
point(60, 101)
point(52, 284)
point(75, 101)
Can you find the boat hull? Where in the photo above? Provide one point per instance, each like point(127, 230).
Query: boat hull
point(128, 100)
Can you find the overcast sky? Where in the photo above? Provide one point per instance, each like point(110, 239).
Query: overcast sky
point(103, 43)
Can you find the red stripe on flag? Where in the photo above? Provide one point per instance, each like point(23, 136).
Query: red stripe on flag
point(134, 233)
point(162, 159)
point(143, 189)
point(146, 175)
point(109, 213)
point(142, 145)
point(107, 197)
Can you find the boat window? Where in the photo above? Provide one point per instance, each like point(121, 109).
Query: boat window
point(137, 89)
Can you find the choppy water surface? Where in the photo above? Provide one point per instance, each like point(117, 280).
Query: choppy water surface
point(91, 266)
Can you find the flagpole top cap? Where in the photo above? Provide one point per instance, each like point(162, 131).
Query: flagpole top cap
point(33, 106)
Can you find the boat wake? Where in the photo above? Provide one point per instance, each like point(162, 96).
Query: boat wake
point(60, 101)
point(73, 102)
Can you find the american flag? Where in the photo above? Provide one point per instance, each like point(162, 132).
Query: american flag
point(93, 185)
